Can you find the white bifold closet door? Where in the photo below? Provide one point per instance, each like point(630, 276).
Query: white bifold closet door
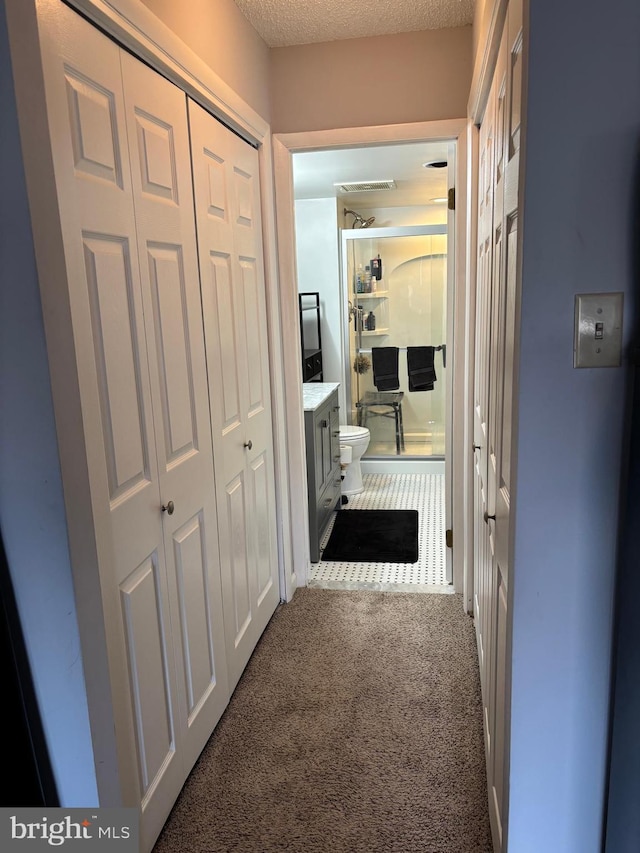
point(163, 201)
point(122, 164)
point(227, 195)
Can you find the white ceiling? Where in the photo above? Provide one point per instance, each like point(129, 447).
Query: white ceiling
point(289, 22)
point(316, 172)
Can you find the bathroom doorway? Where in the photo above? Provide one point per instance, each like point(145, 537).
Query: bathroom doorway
point(374, 254)
point(318, 262)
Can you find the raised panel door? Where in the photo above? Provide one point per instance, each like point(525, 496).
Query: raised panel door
point(163, 197)
point(111, 378)
point(227, 203)
point(493, 501)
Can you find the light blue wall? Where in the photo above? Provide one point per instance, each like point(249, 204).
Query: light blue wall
point(32, 518)
point(583, 127)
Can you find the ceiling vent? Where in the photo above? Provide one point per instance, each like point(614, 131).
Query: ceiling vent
point(366, 186)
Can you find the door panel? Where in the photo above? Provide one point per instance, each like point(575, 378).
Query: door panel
point(156, 157)
point(146, 634)
point(256, 336)
point(496, 334)
point(259, 491)
point(169, 298)
point(198, 633)
point(163, 198)
point(90, 147)
point(218, 295)
point(116, 327)
point(94, 127)
point(481, 396)
point(237, 589)
point(227, 199)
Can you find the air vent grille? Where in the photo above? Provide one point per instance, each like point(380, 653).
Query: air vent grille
point(366, 186)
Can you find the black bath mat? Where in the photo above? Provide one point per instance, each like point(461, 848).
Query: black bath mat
point(373, 536)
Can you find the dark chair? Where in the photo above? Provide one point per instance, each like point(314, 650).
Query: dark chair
point(383, 404)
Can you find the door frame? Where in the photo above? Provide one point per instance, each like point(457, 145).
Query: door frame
point(285, 145)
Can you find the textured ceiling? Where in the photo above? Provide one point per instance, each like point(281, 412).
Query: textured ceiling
point(289, 22)
point(316, 172)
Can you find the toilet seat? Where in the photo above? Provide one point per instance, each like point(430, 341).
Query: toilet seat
point(352, 433)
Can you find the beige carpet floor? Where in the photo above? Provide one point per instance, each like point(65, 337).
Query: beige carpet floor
point(356, 728)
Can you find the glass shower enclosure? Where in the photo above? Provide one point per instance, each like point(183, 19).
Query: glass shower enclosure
point(395, 325)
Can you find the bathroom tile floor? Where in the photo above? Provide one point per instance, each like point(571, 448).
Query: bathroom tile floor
point(424, 492)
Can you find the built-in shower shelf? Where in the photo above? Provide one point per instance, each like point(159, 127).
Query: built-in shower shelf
point(375, 332)
point(379, 294)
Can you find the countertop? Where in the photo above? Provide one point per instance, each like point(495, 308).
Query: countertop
point(315, 393)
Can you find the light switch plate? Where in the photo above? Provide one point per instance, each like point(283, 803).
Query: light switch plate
point(598, 330)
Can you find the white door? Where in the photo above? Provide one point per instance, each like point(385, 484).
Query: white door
point(139, 374)
point(156, 113)
point(91, 160)
point(226, 183)
point(497, 295)
point(506, 224)
point(481, 392)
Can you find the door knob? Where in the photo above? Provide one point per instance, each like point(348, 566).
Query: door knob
point(248, 444)
point(488, 517)
point(169, 508)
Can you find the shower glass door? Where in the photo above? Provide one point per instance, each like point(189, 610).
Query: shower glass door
point(395, 286)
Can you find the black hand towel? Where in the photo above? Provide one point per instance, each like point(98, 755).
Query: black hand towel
point(385, 368)
point(420, 368)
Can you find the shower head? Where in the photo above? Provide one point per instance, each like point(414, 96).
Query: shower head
point(360, 221)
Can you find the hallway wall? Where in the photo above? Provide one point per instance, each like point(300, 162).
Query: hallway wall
point(408, 77)
point(220, 34)
point(581, 147)
point(32, 516)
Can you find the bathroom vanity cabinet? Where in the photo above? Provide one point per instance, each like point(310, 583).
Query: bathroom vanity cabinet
point(322, 437)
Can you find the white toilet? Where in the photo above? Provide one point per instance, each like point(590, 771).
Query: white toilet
point(356, 440)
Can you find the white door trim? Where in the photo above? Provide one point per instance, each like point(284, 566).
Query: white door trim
point(285, 145)
point(486, 58)
point(469, 359)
